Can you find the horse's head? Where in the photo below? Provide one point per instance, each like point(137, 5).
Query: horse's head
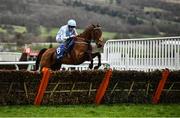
point(93, 32)
point(96, 35)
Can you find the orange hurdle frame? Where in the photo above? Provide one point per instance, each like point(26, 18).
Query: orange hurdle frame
point(43, 86)
point(103, 86)
point(160, 87)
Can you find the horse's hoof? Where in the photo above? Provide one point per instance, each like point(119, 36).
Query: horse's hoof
point(96, 67)
point(90, 66)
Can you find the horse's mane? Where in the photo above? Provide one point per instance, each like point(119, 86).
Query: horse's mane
point(85, 33)
point(89, 28)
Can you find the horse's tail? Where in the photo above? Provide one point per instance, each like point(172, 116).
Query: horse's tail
point(41, 52)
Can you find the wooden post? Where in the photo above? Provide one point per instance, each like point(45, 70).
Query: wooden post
point(103, 86)
point(43, 86)
point(160, 87)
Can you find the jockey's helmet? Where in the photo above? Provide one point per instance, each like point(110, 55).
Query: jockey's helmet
point(71, 22)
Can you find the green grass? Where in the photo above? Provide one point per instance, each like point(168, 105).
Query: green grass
point(138, 110)
point(106, 35)
point(142, 36)
point(79, 31)
point(153, 9)
point(19, 29)
point(109, 35)
point(43, 31)
point(53, 32)
point(2, 30)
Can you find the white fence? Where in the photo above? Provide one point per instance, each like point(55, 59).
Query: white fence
point(30, 64)
point(145, 54)
point(10, 56)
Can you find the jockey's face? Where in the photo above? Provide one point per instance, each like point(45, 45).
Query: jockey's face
point(71, 28)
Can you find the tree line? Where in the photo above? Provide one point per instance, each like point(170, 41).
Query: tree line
point(115, 15)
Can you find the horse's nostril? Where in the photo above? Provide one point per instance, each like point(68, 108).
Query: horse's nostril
point(99, 46)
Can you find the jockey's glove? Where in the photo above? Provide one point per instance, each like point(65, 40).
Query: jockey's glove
point(72, 36)
point(65, 38)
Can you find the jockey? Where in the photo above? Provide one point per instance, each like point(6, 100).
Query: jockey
point(65, 37)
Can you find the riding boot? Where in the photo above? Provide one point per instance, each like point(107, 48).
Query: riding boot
point(64, 49)
point(69, 45)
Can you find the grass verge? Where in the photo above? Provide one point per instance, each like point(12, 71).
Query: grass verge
point(118, 110)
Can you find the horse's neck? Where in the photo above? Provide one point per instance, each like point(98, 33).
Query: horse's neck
point(85, 36)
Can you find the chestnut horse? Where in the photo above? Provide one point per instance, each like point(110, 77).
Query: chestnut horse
point(81, 51)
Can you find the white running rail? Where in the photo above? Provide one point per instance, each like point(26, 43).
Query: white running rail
point(10, 56)
point(30, 65)
point(146, 54)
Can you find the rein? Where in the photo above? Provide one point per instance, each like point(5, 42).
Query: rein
point(81, 42)
point(87, 42)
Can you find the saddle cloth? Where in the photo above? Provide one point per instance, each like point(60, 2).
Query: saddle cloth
point(60, 51)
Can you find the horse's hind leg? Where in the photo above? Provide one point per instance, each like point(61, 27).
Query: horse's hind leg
point(56, 66)
point(39, 58)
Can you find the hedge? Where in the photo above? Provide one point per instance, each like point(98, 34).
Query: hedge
point(79, 87)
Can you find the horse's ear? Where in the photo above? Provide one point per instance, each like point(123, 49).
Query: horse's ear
point(93, 25)
point(98, 25)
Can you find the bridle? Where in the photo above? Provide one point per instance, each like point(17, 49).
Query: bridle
point(93, 32)
point(87, 41)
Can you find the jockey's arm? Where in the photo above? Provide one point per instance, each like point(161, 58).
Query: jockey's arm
point(61, 36)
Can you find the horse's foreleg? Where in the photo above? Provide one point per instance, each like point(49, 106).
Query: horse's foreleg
point(91, 59)
point(99, 59)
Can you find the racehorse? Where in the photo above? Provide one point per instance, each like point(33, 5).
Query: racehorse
point(81, 51)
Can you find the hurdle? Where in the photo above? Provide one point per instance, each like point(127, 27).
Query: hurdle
point(42, 86)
